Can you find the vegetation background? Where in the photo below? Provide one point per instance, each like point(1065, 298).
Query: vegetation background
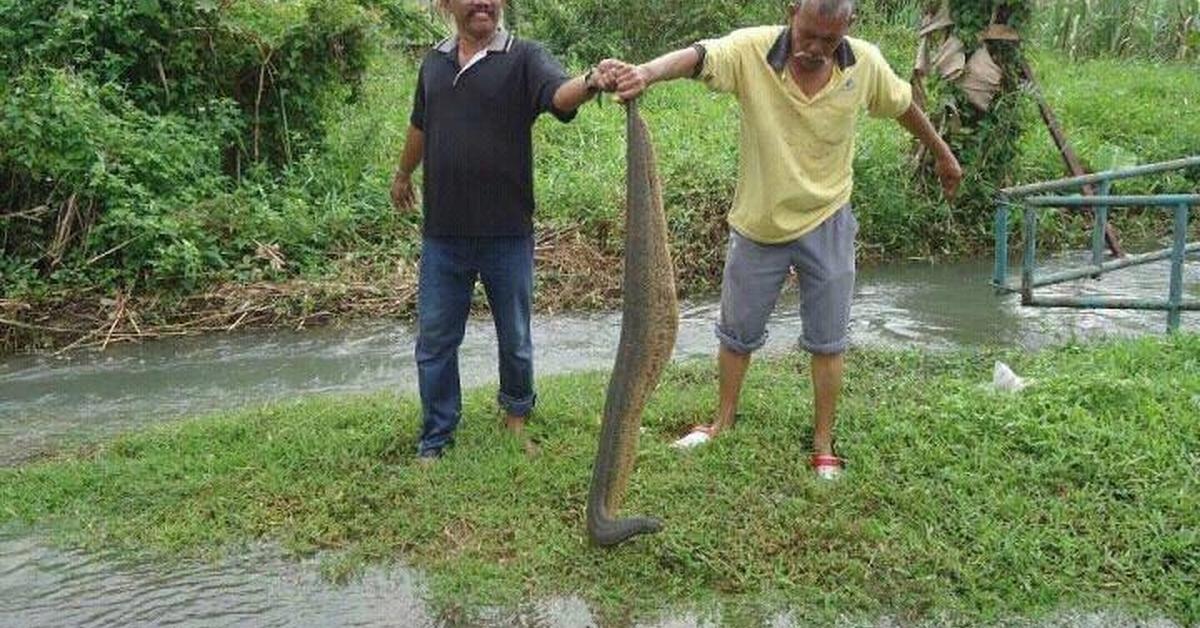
point(163, 162)
point(200, 164)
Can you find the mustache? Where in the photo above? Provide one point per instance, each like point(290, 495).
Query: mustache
point(806, 58)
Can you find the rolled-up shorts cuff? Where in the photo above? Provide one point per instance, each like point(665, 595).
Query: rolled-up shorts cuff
point(516, 407)
point(828, 348)
point(733, 343)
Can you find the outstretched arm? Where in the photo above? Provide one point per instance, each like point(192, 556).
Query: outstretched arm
point(632, 80)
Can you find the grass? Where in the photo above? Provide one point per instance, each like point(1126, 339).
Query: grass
point(1167, 29)
point(1117, 113)
point(961, 505)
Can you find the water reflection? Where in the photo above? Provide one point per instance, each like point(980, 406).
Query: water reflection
point(48, 402)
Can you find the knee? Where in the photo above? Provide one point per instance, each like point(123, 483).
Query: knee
point(741, 341)
point(513, 335)
point(437, 338)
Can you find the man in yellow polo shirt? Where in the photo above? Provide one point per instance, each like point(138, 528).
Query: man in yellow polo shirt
point(800, 88)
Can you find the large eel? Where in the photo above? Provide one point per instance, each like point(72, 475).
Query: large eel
point(649, 320)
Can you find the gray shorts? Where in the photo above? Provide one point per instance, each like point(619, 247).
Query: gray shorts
point(754, 275)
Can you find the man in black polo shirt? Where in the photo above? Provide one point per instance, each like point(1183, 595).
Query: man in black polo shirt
point(477, 97)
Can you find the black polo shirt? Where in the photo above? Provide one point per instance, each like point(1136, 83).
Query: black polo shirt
point(478, 135)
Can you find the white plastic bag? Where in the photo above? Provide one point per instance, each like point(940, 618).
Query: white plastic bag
point(1005, 380)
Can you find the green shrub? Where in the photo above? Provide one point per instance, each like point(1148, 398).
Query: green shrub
point(115, 174)
point(585, 31)
point(125, 121)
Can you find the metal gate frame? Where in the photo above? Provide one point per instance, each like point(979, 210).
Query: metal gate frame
point(1053, 194)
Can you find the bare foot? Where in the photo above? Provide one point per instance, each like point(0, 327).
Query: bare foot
point(720, 425)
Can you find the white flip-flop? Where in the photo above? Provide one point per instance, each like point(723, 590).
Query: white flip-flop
point(698, 436)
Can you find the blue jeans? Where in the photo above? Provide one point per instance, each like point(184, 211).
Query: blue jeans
point(449, 267)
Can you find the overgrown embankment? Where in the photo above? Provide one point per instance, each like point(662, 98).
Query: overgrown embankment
point(208, 165)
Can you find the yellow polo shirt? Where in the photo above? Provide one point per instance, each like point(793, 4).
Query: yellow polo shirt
point(796, 163)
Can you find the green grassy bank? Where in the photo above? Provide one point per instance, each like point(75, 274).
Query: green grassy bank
point(960, 504)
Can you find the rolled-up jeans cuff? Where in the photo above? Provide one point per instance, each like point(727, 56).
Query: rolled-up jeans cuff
point(736, 345)
point(516, 407)
point(828, 348)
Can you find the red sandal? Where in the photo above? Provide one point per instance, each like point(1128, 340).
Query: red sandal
point(827, 466)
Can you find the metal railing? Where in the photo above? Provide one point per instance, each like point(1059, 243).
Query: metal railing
point(1051, 194)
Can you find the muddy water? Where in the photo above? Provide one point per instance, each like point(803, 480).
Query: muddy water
point(43, 587)
point(49, 402)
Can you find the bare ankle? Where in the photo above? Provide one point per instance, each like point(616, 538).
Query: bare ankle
point(719, 426)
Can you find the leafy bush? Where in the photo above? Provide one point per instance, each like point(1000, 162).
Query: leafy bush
point(586, 31)
point(277, 60)
point(106, 174)
point(123, 120)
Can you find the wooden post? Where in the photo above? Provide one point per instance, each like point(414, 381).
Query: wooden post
point(1074, 166)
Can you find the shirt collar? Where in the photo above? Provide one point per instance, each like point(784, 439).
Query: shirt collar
point(781, 51)
point(502, 41)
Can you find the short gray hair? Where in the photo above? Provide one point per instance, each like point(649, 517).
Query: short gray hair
point(829, 8)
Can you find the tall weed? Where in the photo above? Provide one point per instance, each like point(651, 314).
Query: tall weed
point(1164, 29)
